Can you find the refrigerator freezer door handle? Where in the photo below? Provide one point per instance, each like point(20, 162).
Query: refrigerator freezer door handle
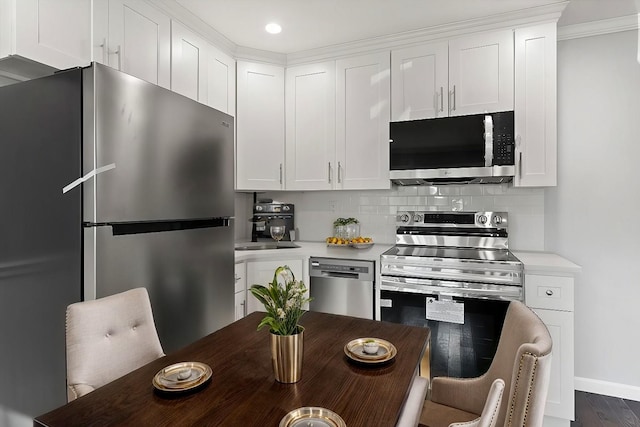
point(141, 227)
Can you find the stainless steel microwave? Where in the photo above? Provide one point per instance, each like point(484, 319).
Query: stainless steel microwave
point(477, 148)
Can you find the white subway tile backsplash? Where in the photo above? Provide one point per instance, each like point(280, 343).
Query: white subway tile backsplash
point(376, 209)
point(428, 190)
point(398, 200)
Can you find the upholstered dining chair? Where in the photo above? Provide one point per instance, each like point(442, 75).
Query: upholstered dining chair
point(410, 414)
point(522, 360)
point(107, 338)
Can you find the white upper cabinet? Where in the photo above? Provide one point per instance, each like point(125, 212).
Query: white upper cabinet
point(535, 106)
point(260, 127)
point(419, 82)
point(134, 37)
point(310, 92)
point(221, 81)
point(53, 32)
point(362, 122)
point(466, 75)
point(200, 71)
point(481, 73)
point(188, 63)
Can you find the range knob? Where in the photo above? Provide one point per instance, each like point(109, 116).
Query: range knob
point(482, 219)
point(285, 208)
point(417, 218)
point(259, 208)
point(497, 219)
point(404, 218)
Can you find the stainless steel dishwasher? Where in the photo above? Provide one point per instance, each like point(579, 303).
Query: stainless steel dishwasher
point(342, 286)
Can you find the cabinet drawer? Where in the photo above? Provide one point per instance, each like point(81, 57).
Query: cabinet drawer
point(548, 292)
point(241, 277)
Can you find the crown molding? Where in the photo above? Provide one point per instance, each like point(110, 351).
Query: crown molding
point(519, 18)
point(244, 53)
point(195, 24)
point(596, 28)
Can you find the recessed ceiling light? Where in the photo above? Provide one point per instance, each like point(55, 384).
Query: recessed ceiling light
point(273, 28)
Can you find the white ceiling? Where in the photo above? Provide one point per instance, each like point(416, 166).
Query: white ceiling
point(309, 24)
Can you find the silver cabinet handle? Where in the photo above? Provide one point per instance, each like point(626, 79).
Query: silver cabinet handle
point(453, 103)
point(104, 51)
point(117, 52)
point(238, 278)
point(549, 292)
point(329, 172)
point(280, 173)
point(339, 173)
point(441, 98)
point(520, 164)
point(244, 308)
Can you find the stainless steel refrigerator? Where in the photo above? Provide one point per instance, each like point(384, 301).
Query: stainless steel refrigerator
point(108, 183)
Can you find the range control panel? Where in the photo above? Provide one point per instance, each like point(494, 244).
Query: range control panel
point(452, 219)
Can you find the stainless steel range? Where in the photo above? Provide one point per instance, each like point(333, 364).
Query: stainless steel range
point(452, 272)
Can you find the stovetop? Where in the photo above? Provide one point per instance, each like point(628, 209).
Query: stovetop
point(470, 254)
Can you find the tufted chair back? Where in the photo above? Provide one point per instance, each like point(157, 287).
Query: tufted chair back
point(522, 360)
point(108, 338)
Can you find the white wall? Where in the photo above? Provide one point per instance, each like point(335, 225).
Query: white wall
point(592, 216)
point(315, 211)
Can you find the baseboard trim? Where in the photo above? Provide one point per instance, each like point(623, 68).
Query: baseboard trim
point(607, 388)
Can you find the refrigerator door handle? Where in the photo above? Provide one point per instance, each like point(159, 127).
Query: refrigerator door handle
point(141, 227)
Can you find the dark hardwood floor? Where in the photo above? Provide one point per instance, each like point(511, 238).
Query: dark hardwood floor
point(595, 410)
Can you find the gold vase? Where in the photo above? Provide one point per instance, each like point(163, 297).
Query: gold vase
point(286, 357)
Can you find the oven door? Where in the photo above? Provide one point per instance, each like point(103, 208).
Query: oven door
point(465, 323)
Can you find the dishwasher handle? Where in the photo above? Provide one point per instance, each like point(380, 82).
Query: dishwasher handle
point(337, 274)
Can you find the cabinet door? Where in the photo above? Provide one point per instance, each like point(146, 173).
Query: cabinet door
point(535, 106)
point(53, 32)
point(310, 122)
point(240, 290)
point(221, 81)
point(362, 122)
point(560, 398)
point(261, 272)
point(139, 41)
point(260, 127)
point(188, 63)
point(420, 82)
point(481, 73)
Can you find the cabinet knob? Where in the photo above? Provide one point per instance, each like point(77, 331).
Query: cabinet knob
point(549, 292)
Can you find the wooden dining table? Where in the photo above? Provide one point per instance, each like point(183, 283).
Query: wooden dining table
point(242, 390)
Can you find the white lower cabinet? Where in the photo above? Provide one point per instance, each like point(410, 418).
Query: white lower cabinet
point(261, 272)
point(551, 298)
point(240, 290)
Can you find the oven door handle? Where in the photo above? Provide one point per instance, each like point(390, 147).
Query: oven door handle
point(421, 287)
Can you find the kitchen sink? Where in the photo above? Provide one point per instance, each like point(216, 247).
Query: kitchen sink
point(258, 246)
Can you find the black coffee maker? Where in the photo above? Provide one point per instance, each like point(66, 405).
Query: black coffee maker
point(268, 213)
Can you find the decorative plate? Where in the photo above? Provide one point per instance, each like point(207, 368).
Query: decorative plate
point(317, 417)
point(355, 351)
point(361, 245)
point(182, 376)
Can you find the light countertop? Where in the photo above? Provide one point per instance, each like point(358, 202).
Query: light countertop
point(546, 263)
point(315, 249)
point(534, 262)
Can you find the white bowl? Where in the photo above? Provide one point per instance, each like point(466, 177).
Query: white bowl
point(370, 347)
